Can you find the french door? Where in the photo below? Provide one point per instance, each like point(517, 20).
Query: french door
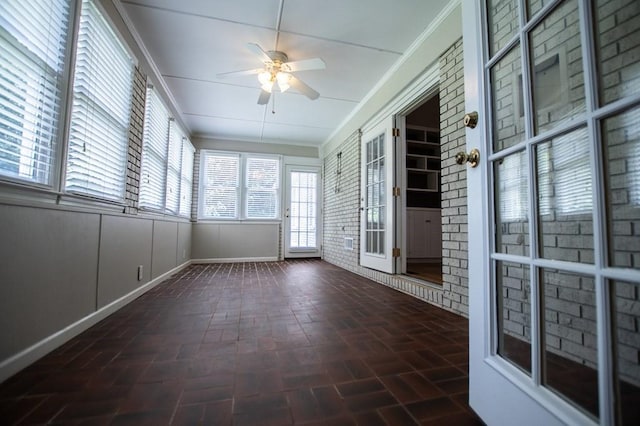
point(377, 159)
point(302, 213)
point(554, 234)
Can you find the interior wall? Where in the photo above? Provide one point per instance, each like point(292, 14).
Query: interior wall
point(62, 266)
point(67, 262)
point(235, 241)
point(342, 207)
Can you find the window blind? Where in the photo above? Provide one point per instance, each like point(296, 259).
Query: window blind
point(33, 38)
point(154, 152)
point(186, 178)
point(98, 139)
point(262, 188)
point(174, 162)
point(221, 175)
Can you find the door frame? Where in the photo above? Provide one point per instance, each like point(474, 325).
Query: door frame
point(494, 383)
point(414, 95)
point(301, 253)
point(385, 262)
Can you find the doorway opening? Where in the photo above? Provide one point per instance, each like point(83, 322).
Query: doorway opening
point(422, 193)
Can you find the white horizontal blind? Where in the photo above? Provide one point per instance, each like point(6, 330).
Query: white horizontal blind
point(186, 177)
point(154, 153)
point(98, 140)
point(220, 183)
point(262, 188)
point(33, 38)
point(174, 162)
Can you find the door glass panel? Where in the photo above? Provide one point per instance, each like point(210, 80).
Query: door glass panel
point(507, 100)
point(303, 210)
point(570, 355)
point(626, 299)
point(514, 313)
point(557, 75)
point(512, 205)
point(534, 6)
point(503, 23)
point(621, 140)
point(565, 198)
point(375, 196)
point(618, 42)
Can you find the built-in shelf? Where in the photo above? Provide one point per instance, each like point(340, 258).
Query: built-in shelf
point(423, 166)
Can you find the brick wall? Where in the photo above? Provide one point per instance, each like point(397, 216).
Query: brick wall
point(342, 201)
point(455, 278)
point(136, 129)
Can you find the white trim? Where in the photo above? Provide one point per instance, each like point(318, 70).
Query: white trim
point(24, 358)
point(234, 260)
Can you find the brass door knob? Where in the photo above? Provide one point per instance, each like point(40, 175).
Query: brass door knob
point(473, 158)
point(471, 119)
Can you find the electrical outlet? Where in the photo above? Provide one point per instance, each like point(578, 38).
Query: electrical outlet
point(140, 273)
point(184, 253)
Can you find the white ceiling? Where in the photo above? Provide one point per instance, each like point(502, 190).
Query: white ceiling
point(191, 41)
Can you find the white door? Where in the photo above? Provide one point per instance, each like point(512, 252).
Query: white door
point(302, 212)
point(554, 223)
point(377, 236)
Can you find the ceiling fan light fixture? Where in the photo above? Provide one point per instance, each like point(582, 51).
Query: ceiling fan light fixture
point(266, 80)
point(283, 81)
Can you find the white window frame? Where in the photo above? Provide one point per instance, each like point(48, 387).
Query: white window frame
point(39, 68)
point(241, 189)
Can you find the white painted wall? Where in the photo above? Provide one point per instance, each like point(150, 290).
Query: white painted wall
point(64, 269)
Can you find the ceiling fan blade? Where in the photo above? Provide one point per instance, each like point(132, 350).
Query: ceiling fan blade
point(263, 99)
point(305, 65)
point(259, 52)
point(239, 73)
point(302, 87)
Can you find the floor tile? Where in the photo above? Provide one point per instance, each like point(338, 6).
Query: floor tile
point(295, 342)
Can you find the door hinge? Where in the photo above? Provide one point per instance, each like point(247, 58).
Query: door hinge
point(395, 252)
point(395, 132)
point(396, 191)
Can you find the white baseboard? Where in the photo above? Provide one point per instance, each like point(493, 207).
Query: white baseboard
point(19, 361)
point(235, 260)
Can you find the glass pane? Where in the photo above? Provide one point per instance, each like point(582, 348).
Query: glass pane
point(618, 41)
point(557, 77)
point(512, 205)
point(503, 22)
point(506, 98)
point(626, 298)
point(514, 313)
point(534, 6)
point(570, 355)
point(565, 198)
point(621, 140)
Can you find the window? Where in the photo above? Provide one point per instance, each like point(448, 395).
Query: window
point(229, 178)
point(98, 138)
point(154, 153)
point(33, 39)
point(220, 185)
point(174, 163)
point(186, 178)
point(262, 188)
point(167, 161)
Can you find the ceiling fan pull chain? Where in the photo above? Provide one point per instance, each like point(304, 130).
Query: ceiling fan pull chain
point(273, 104)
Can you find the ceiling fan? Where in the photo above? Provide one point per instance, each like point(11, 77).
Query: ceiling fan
point(277, 70)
